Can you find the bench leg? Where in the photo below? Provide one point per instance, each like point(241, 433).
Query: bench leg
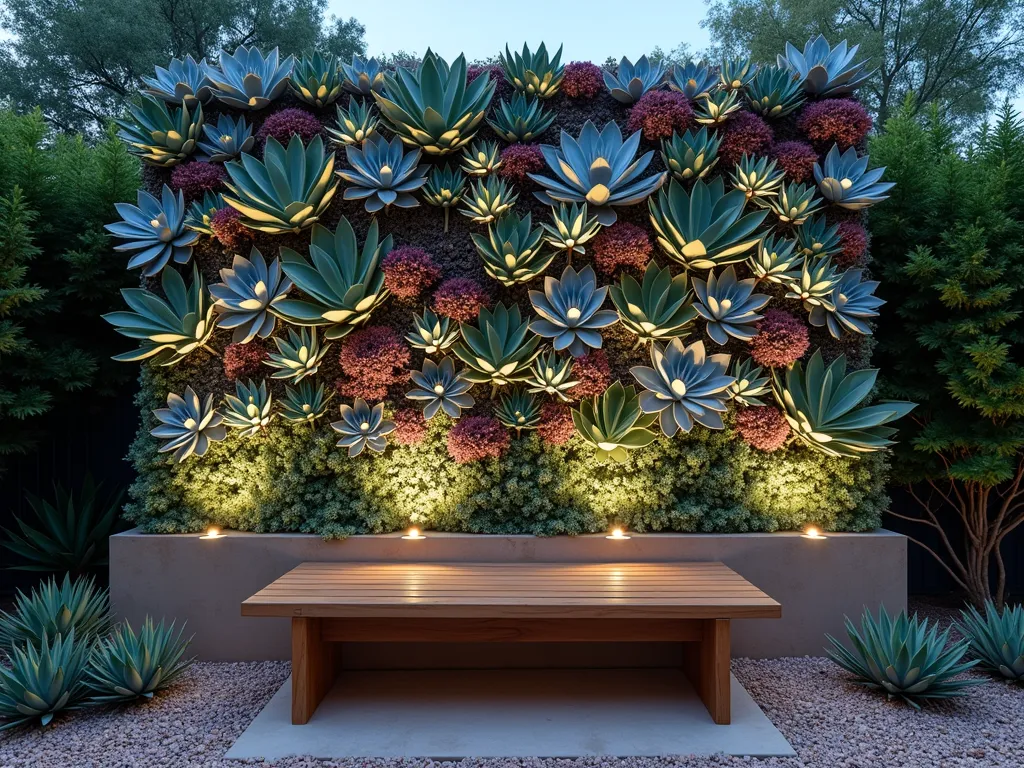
point(314, 667)
point(706, 663)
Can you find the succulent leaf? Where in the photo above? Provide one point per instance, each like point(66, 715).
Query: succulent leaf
point(630, 81)
point(247, 294)
point(613, 423)
point(248, 410)
point(382, 174)
point(440, 387)
point(661, 307)
point(729, 305)
point(533, 73)
point(154, 230)
point(570, 311)
point(246, 80)
point(363, 427)
point(188, 425)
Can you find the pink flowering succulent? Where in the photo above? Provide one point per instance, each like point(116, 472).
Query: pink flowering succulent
point(835, 121)
point(763, 427)
point(659, 114)
point(197, 178)
point(409, 271)
point(797, 159)
point(288, 122)
point(744, 132)
point(781, 339)
point(556, 426)
point(461, 299)
point(518, 160)
point(477, 437)
point(372, 360)
point(621, 246)
point(583, 80)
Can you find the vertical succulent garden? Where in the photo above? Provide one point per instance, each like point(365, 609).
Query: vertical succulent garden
point(655, 306)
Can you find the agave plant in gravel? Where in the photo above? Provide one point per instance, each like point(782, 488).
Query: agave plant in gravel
point(128, 666)
point(382, 174)
point(570, 228)
point(570, 311)
point(181, 81)
point(363, 77)
point(906, 658)
point(521, 120)
point(513, 251)
point(598, 168)
point(316, 79)
point(692, 155)
point(168, 329)
point(533, 73)
point(518, 410)
point(705, 227)
point(55, 608)
point(694, 80)
point(154, 230)
point(298, 357)
point(188, 425)
point(441, 388)
point(248, 411)
point(159, 135)
point(227, 139)
point(658, 308)
point(630, 81)
point(305, 403)
point(246, 296)
point(729, 305)
point(431, 334)
point(684, 385)
point(552, 375)
point(288, 191)
point(353, 125)
point(996, 638)
point(844, 180)
point(853, 302)
point(823, 71)
point(613, 423)
point(246, 80)
point(444, 189)
point(823, 406)
point(363, 427)
point(343, 284)
point(499, 349)
point(432, 107)
point(750, 382)
point(43, 680)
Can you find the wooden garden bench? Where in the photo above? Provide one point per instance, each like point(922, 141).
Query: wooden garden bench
point(330, 603)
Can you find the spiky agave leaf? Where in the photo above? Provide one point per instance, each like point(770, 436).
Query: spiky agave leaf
point(776, 260)
point(717, 107)
point(774, 92)
point(661, 307)
point(298, 357)
point(794, 204)
point(247, 294)
point(249, 409)
point(304, 404)
point(441, 387)
point(735, 74)
point(43, 680)
point(996, 639)
point(814, 288)
point(160, 136)
point(630, 81)
point(488, 200)
point(694, 80)
point(844, 180)
point(513, 251)
point(570, 228)
point(126, 666)
point(226, 140)
point(825, 71)
point(154, 230)
point(363, 77)
point(816, 238)
point(552, 375)
point(757, 177)
point(363, 427)
point(481, 158)
point(200, 213)
point(444, 189)
point(853, 302)
point(613, 423)
point(749, 384)
point(729, 305)
point(518, 410)
point(521, 120)
point(570, 311)
point(355, 124)
point(246, 80)
point(188, 425)
point(383, 174)
point(55, 608)
point(691, 155)
point(533, 73)
point(499, 349)
point(431, 333)
point(181, 81)
point(316, 80)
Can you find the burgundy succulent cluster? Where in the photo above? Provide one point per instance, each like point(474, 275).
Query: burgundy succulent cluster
point(502, 90)
point(583, 80)
point(244, 361)
point(372, 360)
point(834, 121)
point(556, 427)
point(196, 179)
point(409, 271)
point(410, 426)
point(797, 159)
point(282, 125)
point(477, 437)
point(593, 372)
point(660, 113)
point(517, 160)
point(853, 239)
point(743, 132)
point(763, 427)
point(621, 246)
point(461, 299)
point(781, 339)
point(229, 230)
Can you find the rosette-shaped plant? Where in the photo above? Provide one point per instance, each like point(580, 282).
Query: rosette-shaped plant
point(691, 155)
point(248, 410)
point(316, 79)
point(659, 308)
point(844, 180)
point(570, 311)
point(776, 260)
point(43, 679)
point(363, 427)
point(56, 607)
point(160, 136)
point(298, 357)
point(694, 80)
point(630, 81)
point(774, 92)
point(181, 81)
point(823, 407)
point(489, 200)
point(444, 189)
point(363, 77)
point(749, 382)
point(188, 425)
point(853, 302)
point(246, 296)
point(996, 639)
point(354, 125)
point(817, 279)
point(552, 375)
point(226, 140)
point(513, 251)
point(757, 177)
point(823, 70)
point(518, 410)
point(288, 191)
point(168, 329)
point(304, 404)
point(717, 107)
point(533, 73)
point(155, 230)
point(343, 284)
point(382, 174)
point(613, 423)
point(431, 334)
point(523, 119)
point(705, 227)
point(683, 386)
point(571, 227)
point(432, 107)
point(441, 388)
point(599, 169)
point(126, 666)
point(499, 349)
point(794, 204)
point(583, 80)
point(816, 238)
point(735, 74)
point(729, 305)
point(481, 158)
point(247, 80)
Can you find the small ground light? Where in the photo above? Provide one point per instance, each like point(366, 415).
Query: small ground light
point(617, 534)
point(414, 534)
point(212, 532)
point(812, 532)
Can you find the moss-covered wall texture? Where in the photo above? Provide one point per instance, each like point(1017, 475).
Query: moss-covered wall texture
point(292, 477)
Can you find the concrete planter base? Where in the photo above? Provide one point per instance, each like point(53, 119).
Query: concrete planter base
point(205, 581)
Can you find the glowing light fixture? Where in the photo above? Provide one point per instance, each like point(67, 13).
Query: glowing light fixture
point(213, 532)
point(618, 534)
point(812, 532)
point(414, 534)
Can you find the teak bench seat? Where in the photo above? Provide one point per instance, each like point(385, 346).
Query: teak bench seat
point(690, 602)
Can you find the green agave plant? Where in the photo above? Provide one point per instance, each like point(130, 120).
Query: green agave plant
point(996, 639)
point(823, 407)
point(433, 107)
point(126, 666)
point(481, 158)
point(570, 229)
point(613, 423)
point(298, 357)
point(905, 658)
point(188, 425)
point(288, 191)
point(570, 311)
point(55, 608)
point(749, 383)
point(304, 404)
point(729, 305)
point(444, 189)
point(853, 302)
point(363, 77)
point(794, 204)
point(717, 107)
point(691, 155)
point(774, 92)
point(757, 177)
point(247, 294)
point(316, 79)
point(43, 680)
point(552, 375)
point(533, 73)
point(354, 125)
point(200, 213)
point(844, 180)
point(170, 328)
point(705, 227)
point(441, 388)
point(70, 532)
point(630, 81)
point(489, 200)
point(659, 308)
point(499, 349)
point(363, 427)
point(343, 284)
point(248, 410)
point(816, 238)
point(521, 120)
point(823, 71)
point(246, 80)
point(383, 174)
point(226, 140)
point(182, 81)
point(154, 230)
point(776, 260)
point(160, 136)
point(694, 80)
point(735, 74)
point(814, 288)
point(518, 410)
point(431, 334)
point(513, 250)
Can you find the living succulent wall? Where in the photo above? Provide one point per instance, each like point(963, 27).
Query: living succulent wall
point(534, 297)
